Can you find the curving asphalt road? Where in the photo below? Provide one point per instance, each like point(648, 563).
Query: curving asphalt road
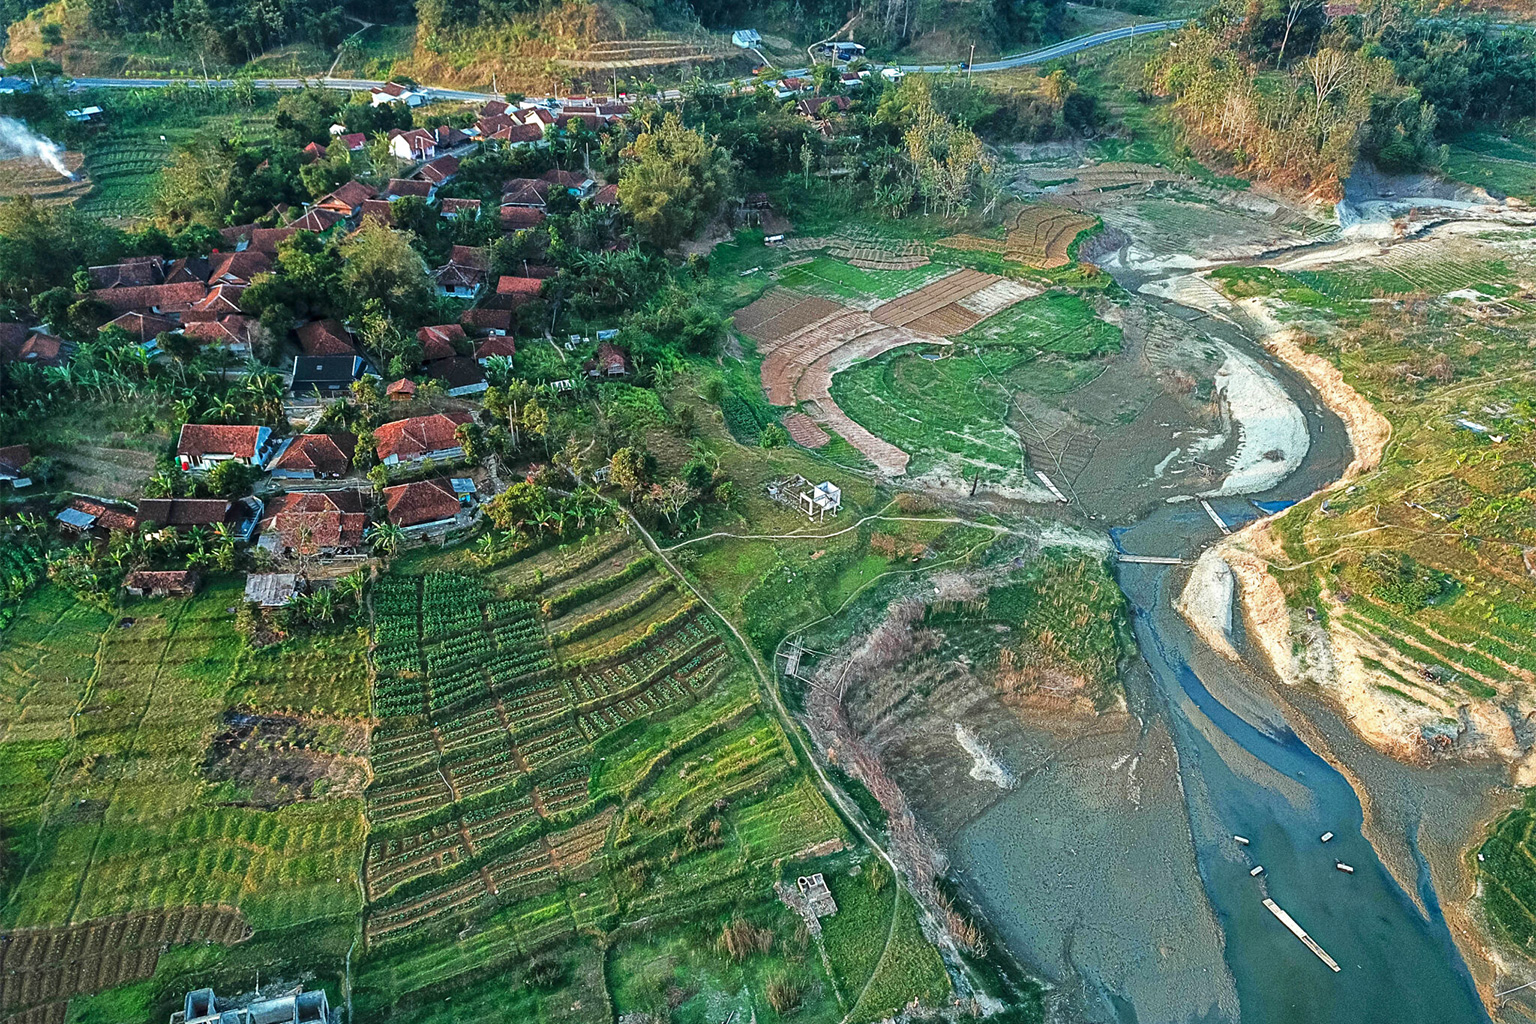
point(1061, 49)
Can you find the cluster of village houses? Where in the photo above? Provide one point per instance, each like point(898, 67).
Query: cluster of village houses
point(318, 512)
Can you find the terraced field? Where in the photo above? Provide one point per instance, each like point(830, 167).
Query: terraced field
point(566, 743)
point(124, 174)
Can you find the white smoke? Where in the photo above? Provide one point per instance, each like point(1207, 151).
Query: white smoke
point(16, 139)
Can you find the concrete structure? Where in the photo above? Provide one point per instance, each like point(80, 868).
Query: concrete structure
point(814, 889)
point(202, 1007)
point(825, 497)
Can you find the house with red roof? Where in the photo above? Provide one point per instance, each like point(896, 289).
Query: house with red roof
point(423, 506)
point(165, 583)
point(530, 192)
point(22, 344)
point(520, 218)
point(317, 524)
point(235, 333)
point(453, 208)
point(441, 341)
point(610, 361)
point(348, 199)
point(326, 338)
point(495, 345)
point(419, 438)
point(577, 183)
point(512, 292)
point(314, 457)
point(394, 92)
point(154, 298)
point(203, 446)
point(13, 460)
point(144, 327)
point(493, 322)
point(402, 390)
point(439, 172)
point(399, 188)
point(465, 273)
point(412, 144)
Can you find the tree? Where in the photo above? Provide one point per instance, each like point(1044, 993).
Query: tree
point(673, 182)
point(380, 265)
point(230, 478)
point(366, 450)
point(519, 505)
point(385, 538)
point(629, 470)
point(669, 500)
point(472, 439)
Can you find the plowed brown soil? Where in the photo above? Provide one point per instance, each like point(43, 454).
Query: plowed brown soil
point(915, 305)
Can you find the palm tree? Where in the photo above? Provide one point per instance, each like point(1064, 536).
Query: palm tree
point(485, 548)
point(386, 538)
point(222, 409)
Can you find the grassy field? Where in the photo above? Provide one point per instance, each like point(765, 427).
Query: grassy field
point(1509, 871)
point(950, 412)
point(841, 282)
point(105, 723)
point(1501, 164)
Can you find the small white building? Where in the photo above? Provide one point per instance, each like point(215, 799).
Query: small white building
point(826, 497)
point(746, 38)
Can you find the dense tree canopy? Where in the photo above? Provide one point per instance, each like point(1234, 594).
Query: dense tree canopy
point(673, 181)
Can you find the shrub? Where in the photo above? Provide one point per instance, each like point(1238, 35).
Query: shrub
point(741, 938)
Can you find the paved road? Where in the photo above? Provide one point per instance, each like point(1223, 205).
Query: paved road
point(1061, 49)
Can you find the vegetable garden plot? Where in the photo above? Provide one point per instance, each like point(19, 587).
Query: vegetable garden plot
point(44, 967)
point(917, 304)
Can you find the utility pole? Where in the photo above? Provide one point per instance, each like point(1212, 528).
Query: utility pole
point(970, 65)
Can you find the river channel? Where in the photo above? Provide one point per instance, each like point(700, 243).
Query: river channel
point(1240, 770)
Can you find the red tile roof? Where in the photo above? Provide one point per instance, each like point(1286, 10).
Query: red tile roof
point(325, 454)
point(221, 300)
point(135, 272)
point(267, 239)
point(455, 205)
point(608, 195)
point(404, 386)
point(487, 320)
point(424, 501)
point(318, 219)
point(238, 267)
point(568, 179)
point(439, 170)
point(517, 134)
point(305, 522)
point(179, 512)
point(354, 141)
point(142, 326)
point(438, 342)
point(406, 187)
point(165, 297)
point(19, 345)
point(379, 209)
point(199, 439)
point(227, 330)
point(415, 437)
point(496, 345)
point(494, 107)
point(348, 197)
point(107, 517)
point(512, 292)
point(13, 458)
point(520, 218)
point(188, 268)
point(524, 192)
point(326, 338)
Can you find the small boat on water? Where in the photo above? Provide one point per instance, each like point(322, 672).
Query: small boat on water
point(1258, 869)
point(1240, 841)
point(1344, 867)
point(1327, 836)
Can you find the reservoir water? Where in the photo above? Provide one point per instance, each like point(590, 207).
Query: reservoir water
point(1239, 770)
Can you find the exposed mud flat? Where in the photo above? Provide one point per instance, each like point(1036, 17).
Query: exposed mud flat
point(1085, 867)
